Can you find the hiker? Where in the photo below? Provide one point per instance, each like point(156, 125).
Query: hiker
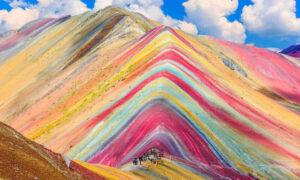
point(141, 159)
point(148, 156)
point(153, 150)
point(134, 161)
point(145, 157)
point(159, 156)
point(154, 161)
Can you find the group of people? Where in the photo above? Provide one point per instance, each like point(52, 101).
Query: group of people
point(153, 155)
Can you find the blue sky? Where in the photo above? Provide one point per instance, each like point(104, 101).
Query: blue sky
point(264, 31)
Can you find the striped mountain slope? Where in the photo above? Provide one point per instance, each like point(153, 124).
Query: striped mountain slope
point(105, 87)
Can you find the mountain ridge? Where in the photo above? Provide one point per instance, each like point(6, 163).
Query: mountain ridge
point(22, 158)
point(293, 51)
point(105, 87)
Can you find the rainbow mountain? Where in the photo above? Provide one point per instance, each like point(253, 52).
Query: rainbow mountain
point(103, 88)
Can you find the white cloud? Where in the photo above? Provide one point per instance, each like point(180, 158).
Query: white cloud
point(58, 8)
point(272, 17)
point(17, 3)
point(188, 27)
point(16, 18)
point(45, 2)
point(210, 18)
point(23, 12)
point(150, 9)
point(102, 4)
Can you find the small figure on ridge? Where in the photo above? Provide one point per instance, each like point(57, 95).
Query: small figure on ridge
point(134, 161)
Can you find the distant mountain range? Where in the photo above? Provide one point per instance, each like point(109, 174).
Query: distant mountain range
point(104, 87)
point(292, 51)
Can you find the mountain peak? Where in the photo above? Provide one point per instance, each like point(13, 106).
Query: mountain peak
point(105, 87)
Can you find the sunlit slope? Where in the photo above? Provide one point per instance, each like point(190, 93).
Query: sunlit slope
point(176, 99)
point(166, 169)
point(107, 93)
point(42, 64)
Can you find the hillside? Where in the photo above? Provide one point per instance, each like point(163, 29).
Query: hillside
point(293, 51)
point(105, 87)
point(21, 158)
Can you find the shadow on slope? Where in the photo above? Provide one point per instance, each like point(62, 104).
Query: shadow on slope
point(21, 158)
